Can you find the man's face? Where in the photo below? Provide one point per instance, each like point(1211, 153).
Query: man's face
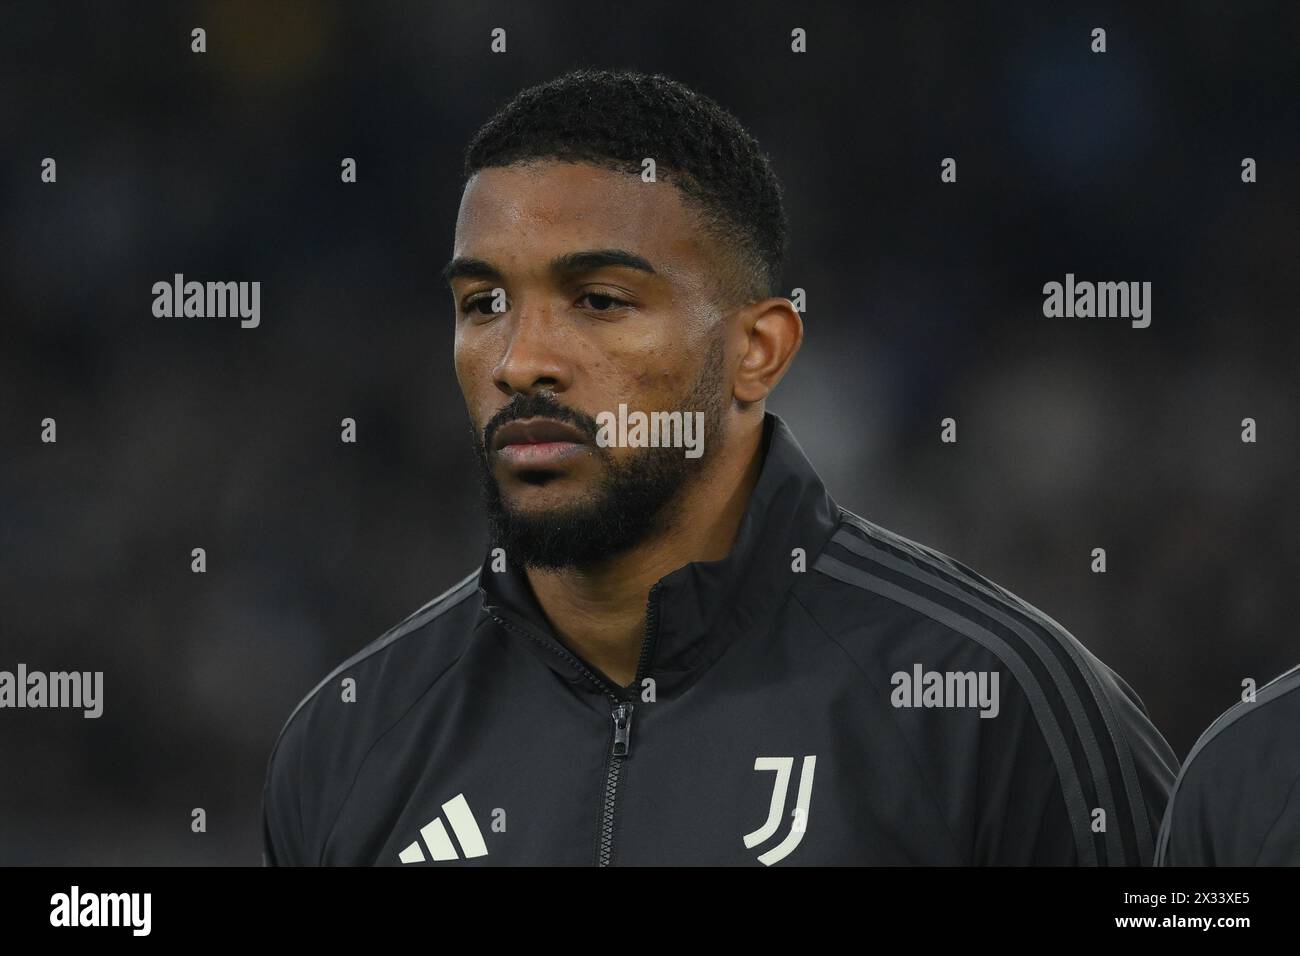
point(579, 336)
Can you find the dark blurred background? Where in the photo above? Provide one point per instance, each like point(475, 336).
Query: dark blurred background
point(924, 301)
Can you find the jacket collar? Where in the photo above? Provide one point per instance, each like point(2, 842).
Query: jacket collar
point(695, 612)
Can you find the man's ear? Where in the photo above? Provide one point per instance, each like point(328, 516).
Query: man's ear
point(772, 332)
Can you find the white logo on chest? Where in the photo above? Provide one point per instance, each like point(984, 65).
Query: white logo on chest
point(780, 787)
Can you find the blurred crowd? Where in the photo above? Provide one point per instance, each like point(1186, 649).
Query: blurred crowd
point(924, 302)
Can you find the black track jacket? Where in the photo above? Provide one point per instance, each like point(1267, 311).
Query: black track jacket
point(1237, 800)
point(829, 693)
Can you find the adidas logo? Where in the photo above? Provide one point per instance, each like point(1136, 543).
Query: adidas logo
point(439, 843)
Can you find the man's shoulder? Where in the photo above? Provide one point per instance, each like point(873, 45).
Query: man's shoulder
point(1236, 779)
point(869, 575)
point(1250, 725)
point(895, 605)
point(418, 649)
point(871, 581)
point(326, 739)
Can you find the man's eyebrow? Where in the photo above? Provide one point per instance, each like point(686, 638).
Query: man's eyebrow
point(467, 267)
point(592, 259)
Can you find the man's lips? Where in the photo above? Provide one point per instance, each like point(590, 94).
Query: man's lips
point(538, 442)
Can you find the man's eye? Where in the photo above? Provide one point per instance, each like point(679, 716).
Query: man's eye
point(601, 302)
point(480, 306)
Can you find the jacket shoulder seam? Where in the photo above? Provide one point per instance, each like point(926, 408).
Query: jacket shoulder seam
point(1076, 672)
point(1068, 770)
point(407, 626)
point(404, 628)
point(1277, 688)
point(361, 764)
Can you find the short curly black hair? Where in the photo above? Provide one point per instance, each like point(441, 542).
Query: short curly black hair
point(615, 119)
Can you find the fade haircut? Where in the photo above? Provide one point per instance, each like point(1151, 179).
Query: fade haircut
point(615, 119)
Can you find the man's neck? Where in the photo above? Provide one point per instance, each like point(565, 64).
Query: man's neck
point(599, 612)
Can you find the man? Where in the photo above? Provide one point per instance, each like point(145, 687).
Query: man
point(680, 651)
point(1237, 800)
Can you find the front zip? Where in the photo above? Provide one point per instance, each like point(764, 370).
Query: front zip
point(622, 729)
point(620, 712)
point(622, 715)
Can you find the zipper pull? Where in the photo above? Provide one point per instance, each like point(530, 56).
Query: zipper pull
point(622, 729)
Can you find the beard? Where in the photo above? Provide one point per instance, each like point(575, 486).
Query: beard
point(635, 497)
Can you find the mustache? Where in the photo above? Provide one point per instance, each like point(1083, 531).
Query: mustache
point(539, 405)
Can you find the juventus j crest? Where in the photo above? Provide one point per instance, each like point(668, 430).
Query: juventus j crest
point(799, 815)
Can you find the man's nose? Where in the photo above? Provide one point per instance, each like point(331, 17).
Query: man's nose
point(535, 355)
